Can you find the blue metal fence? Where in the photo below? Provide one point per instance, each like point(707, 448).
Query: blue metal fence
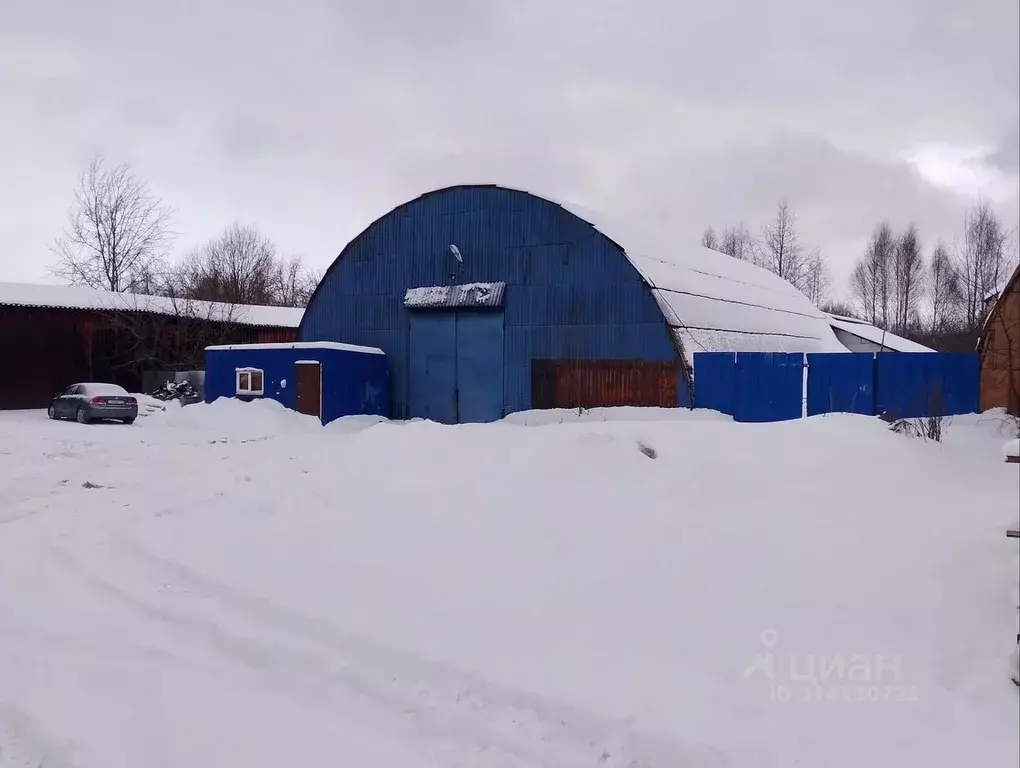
point(750, 386)
point(769, 386)
point(841, 383)
point(911, 384)
point(764, 386)
point(714, 375)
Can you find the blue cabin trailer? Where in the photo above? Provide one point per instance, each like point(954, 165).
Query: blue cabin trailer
point(489, 300)
point(323, 379)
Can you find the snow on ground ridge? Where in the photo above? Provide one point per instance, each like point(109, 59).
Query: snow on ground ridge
point(250, 589)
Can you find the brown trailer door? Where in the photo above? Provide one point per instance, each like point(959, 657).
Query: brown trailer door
point(308, 388)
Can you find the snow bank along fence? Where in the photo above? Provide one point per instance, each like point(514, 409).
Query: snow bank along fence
point(770, 386)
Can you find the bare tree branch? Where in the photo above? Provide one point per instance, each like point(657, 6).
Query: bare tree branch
point(817, 278)
point(907, 280)
point(737, 242)
point(242, 266)
point(117, 230)
point(870, 286)
point(780, 250)
point(980, 261)
point(944, 293)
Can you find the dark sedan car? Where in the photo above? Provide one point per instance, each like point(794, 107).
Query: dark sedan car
point(92, 402)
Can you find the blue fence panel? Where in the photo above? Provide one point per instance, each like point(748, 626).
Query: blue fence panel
point(763, 386)
point(914, 384)
point(841, 383)
point(714, 381)
point(769, 386)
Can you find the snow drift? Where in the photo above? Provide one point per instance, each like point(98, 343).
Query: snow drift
point(816, 592)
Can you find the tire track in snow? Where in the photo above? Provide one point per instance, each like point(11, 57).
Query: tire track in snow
point(22, 744)
point(450, 709)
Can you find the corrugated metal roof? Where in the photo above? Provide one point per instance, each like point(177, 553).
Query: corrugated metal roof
point(714, 302)
point(76, 297)
point(449, 296)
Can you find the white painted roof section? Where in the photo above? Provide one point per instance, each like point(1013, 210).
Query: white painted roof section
point(868, 332)
point(77, 297)
point(716, 303)
point(334, 345)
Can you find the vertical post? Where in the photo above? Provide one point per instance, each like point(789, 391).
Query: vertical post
point(89, 329)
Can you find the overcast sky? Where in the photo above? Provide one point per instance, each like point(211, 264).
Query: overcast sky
point(312, 118)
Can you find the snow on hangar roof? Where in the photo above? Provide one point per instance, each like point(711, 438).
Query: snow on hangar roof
point(332, 345)
point(714, 302)
point(876, 335)
point(77, 297)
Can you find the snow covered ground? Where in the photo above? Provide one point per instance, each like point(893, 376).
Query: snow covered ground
point(234, 586)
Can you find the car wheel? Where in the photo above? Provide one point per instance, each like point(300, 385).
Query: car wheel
point(81, 417)
point(129, 420)
point(51, 412)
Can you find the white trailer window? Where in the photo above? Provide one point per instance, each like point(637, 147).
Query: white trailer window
point(250, 381)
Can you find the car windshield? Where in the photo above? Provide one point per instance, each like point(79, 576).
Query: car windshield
point(105, 389)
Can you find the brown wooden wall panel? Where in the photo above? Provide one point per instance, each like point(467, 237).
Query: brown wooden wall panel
point(44, 349)
point(602, 383)
point(277, 335)
point(1000, 352)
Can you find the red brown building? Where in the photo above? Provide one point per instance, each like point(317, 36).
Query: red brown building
point(1000, 350)
point(52, 336)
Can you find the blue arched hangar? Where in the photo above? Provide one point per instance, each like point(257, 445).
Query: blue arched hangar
point(488, 300)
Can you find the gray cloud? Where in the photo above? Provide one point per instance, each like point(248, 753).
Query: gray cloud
point(311, 120)
point(1007, 157)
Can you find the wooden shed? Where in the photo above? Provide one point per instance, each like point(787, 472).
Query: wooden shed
point(55, 335)
point(1000, 350)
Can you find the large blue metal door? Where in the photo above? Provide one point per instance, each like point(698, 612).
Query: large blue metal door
point(433, 366)
point(456, 366)
point(479, 366)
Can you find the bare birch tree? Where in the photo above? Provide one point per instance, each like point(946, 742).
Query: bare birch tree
point(293, 284)
point(907, 277)
point(842, 308)
point(239, 267)
point(709, 239)
point(116, 230)
point(818, 279)
point(944, 293)
point(780, 251)
point(980, 261)
point(736, 242)
point(870, 286)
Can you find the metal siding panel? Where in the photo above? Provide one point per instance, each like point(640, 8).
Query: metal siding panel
point(604, 383)
point(479, 366)
point(841, 383)
point(516, 388)
point(352, 383)
point(714, 381)
point(789, 401)
point(433, 367)
point(916, 384)
point(507, 236)
point(748, 388)
point(769, 386)
point(276, 365)
point(683, 392)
